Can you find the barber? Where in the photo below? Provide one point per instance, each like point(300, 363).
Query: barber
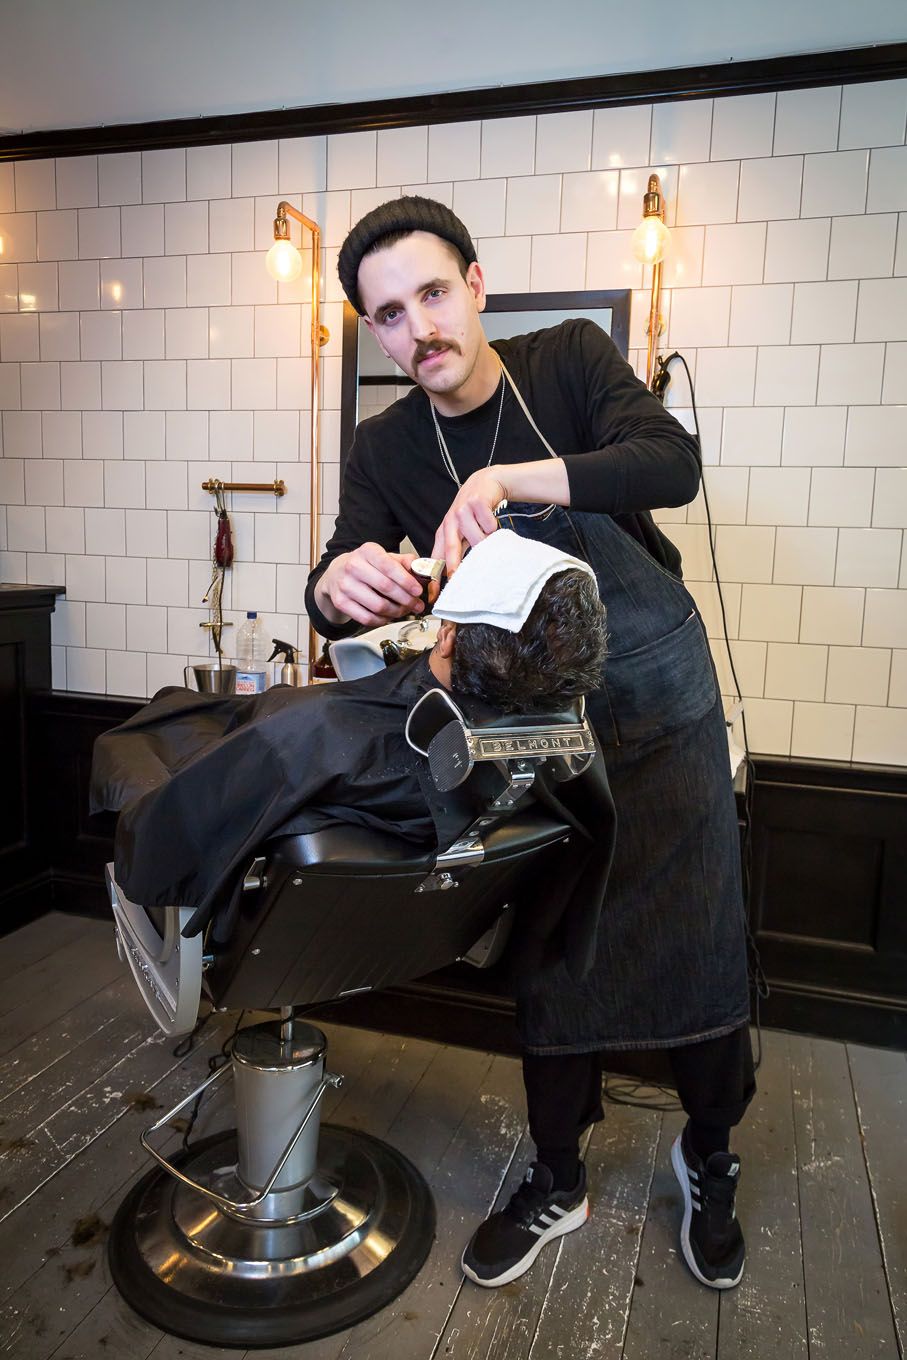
point(551, 434)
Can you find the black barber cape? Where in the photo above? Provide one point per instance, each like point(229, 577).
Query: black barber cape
point(201, 781)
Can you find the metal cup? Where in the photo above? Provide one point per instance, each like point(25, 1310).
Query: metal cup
point(210, 678)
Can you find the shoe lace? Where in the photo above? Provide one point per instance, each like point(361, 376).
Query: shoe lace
point(525, 1203)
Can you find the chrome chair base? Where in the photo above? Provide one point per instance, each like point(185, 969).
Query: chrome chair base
point(364, 1229)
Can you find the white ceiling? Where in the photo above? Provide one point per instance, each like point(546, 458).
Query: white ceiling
point(72, 63)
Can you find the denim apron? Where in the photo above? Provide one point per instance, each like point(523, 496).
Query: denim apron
point(670, 966)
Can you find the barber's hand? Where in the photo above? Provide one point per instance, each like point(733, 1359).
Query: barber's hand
point(371, 585)
point(470, 517)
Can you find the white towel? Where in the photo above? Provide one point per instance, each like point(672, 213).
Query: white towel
point(500, 579)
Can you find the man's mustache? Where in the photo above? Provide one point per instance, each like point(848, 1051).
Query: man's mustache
point(432, 347)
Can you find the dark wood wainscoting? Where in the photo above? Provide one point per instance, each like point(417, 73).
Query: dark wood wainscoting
point(827, 903)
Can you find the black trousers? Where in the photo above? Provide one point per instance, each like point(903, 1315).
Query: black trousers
point(714, 1078)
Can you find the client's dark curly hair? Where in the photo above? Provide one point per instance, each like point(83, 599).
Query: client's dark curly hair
point(556, 656)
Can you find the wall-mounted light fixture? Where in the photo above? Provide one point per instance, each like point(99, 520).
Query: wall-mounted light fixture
point(650, 241)
point(284, 263)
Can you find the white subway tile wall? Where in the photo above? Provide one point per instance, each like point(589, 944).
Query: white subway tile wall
point(143, 348)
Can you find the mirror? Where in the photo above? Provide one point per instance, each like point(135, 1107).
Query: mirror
point(370, 382)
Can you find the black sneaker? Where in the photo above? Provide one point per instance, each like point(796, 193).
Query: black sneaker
point(507, 1243)
point(710, 1235)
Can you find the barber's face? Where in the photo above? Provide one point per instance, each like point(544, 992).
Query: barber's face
point(422, 312)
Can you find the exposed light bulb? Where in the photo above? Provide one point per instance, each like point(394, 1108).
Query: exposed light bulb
point(283, 262)
point(650, 240)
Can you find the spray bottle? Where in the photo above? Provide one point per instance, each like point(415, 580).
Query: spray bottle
point(291, 672)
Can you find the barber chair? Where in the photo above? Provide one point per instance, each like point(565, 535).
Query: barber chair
point(283, 1229)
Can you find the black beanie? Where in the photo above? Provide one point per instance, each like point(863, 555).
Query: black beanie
point(409, 213)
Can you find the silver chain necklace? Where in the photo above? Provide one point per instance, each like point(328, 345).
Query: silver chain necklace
point(442, 442)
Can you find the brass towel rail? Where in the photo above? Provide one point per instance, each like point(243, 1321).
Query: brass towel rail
point(276, 488)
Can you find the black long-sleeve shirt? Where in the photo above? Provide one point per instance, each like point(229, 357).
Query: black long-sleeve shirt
point(624, 454)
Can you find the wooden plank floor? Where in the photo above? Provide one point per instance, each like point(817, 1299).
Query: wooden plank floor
point(823, 1195)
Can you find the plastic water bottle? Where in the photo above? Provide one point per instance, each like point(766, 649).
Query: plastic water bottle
point(252, 648)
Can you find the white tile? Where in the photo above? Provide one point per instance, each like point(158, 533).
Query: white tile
point(589, 202)
point(873, 114)
point(58, 235)
point(332, 213)
point(480, 205)
point(885, 624)
point(101, 433)
point(85, 670)
point(85, 576)
point(822, 731)
point(165, 385)
point(187, 333)
point(231, 224)
point(40, 387)
point(725, 377)
point(162, 670)
point(125, 580)
point(558, 263)
point(807, 120)
point(22, 434)
point(277, 331)
point(850, 373)
point(734, 253)
point(814, 435)
point(403, 155)
point(35, 185)
point(761, 314)
point(184, 633)
point(744, 553)
point(254, 384)
point(168, 583)
point(9, 386)
point(876, 436)
point(45, 569)
point(12, 481)
point(146, 628)
point(83, 481)
point(255, 586)
point(887, 180)
point(99, 233)
point(505, 263)
point(880, 309)
point(146, 535)
point(166, 487)
point(105, 531)
point(705, 594)
point(898, 693)
point(126, 674)
point(208, 172)
point(683, 262)
point(352, 160)
point(121, 284)
point(208, 384)
point(834, 183)
point(7, 187)
point(231, 332)
point(67, 623)
point(868, 557)
point(805, 556)
point(707, 192)
point(276, 538)
point(681, 131)
point(508, 148)
point(14, 567)
point(778, 495)
point(770, 189)
point(894, 385)
point(890, 505)
point(768, 724)
point(77, 182)
point(120, 178)
point(251, 283)
point(796, 251)
point(795, 671)
point(59, 333)
point(692, 541)
point(143, 335)
point(163, 176)
point(80, 386)
point(122, 386)
point(563, 142)
point(185, 229)
point(62, 433)
point(857, 675)
point(101, 335)
point(18, 235)
point(302, 165)
point(188, 534)
point(187, 438)
point(610, 261)
point(124, 484)
point(824, 313)
point(832, 614)
point(165, 281)
point(699, 316)
point(208, 280)
point(880, 736)
point(38, 290)
point(143, 434)
point(841, 496)
point(44, 481)
point(634, 185)
point(786, 375)
point(105, 625)
point(742, 126)
point(276, 435)
point(621, 137)
point(19, 338)
point(254, 169)
point(441, 193)
point(770, 613)
point(533, 205)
